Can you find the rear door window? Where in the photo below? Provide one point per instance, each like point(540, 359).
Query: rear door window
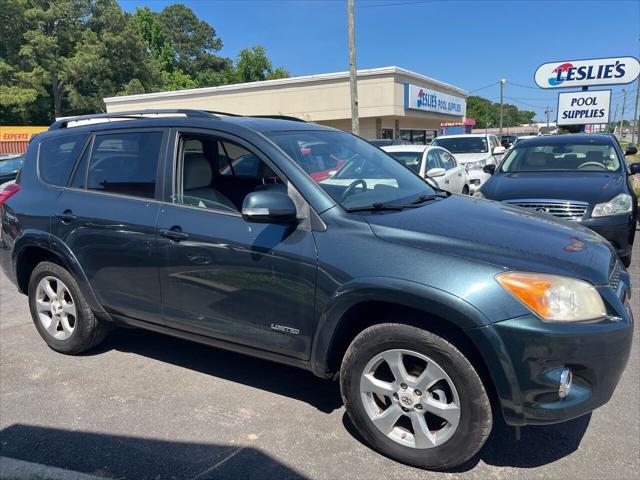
point(57, 157)
point(125, 163)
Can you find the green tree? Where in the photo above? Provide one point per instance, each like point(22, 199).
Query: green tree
point(253, 65)
point(194, 41)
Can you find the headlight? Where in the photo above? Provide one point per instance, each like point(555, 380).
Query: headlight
point(616, 206)
point(479, 165)
point(552, 297)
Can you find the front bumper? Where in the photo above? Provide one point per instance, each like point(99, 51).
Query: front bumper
point(525, 357)
point(619, 230)
point(476, 180)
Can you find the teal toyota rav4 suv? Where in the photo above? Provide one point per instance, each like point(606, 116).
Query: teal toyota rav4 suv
point(436, 312)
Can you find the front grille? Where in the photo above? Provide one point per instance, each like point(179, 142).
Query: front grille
point(567, 210)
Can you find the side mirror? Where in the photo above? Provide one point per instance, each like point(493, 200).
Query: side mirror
point(269, 207)
point(634, 168)
point(436, 172)
point(631, 151)
point(490, 169)
point(499, 150)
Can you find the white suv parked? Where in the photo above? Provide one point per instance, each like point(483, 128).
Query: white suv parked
point(474, 151)
point(433, 163)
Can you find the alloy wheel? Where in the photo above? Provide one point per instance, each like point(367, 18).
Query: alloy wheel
point(56, 308)
point(410, 398)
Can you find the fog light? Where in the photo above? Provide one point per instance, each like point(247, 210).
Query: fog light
point(566, 377)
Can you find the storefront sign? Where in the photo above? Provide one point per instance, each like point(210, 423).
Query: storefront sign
point(420, 98)
point(19, 134)
point(584, 108)
point(584, 73)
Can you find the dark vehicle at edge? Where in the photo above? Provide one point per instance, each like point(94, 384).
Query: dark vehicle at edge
point(9, 167)
point(428, 307)
point(580, 178)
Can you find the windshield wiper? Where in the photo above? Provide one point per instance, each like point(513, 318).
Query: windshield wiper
point(378, 206)
point(428, 197)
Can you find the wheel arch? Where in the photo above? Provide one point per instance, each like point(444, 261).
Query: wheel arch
point(31, 250)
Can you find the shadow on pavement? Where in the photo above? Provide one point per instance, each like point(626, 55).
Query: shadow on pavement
point(257, 373)
point(539, 445)
point(137, 458)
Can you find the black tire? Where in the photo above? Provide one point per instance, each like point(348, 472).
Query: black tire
point(88, 331)
point(626, 260)
point(465, 190)
point(475, 419)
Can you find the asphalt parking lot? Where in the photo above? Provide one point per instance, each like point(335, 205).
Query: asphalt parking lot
point(148, 406)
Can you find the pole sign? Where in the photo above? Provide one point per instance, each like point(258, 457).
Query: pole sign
point(584, 108)
point(587, 73)
point(420, 98)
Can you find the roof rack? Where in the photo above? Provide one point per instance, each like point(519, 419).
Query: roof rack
point(134, 114)
point(279, 117)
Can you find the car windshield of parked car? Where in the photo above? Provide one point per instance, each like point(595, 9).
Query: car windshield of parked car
point(366, 176)
point(585, 156)
point(410, 159)
point(11, 165)
point(462, 144)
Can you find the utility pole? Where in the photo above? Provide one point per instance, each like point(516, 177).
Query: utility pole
point(615, 115)
point(355, 122)
point(547, 112)
point(624, 100)
point(502, 82)
point(635, 116)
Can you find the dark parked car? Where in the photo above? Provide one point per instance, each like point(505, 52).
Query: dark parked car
point(579, 178)
point(385, 142)
point(9, 167)
point(428, 307)
point(507, 140)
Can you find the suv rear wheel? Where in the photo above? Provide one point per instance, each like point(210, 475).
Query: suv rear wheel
point(61, 314)
point(414, 396)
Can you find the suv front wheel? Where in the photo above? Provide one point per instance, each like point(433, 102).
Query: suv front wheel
point(62, 316)
point(414, 396)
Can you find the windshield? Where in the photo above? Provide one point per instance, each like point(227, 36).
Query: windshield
point(410, 159)
point(366, 175)
point(585, 156)
point(11, 165)
point(462, 144)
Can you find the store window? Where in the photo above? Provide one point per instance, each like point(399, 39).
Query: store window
point(387, 133)
point(418, 137)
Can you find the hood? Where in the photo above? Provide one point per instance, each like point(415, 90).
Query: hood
point(471, 157)
point(496, 233)
point(589, 187)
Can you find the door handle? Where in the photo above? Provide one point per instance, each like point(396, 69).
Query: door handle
point(174, 233)
point(67, 216)
point(446, 181)
point(459, 174)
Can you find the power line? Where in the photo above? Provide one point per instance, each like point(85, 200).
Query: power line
point(482, 88)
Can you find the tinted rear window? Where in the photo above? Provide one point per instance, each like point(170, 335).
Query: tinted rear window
point(57, 157)
point(125, 163)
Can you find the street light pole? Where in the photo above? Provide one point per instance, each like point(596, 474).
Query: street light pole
point(548, 111)
point(355, 122)
point(624, 100)
point(502, 82)
point(635, 115)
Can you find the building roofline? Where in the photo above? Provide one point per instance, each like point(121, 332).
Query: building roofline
point(284, 81)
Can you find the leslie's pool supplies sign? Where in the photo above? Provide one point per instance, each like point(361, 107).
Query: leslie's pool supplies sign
point(584, 108)
point(585, 73)
point(419, 98)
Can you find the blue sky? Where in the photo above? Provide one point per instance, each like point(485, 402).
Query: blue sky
point(469, 44)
